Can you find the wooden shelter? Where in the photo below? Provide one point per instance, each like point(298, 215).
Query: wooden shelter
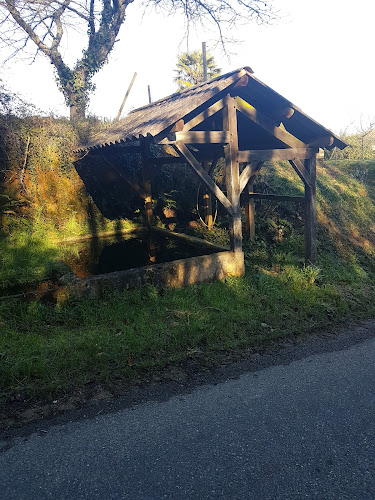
point(234, 116)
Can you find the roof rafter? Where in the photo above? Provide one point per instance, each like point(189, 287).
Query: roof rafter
point(268, 124)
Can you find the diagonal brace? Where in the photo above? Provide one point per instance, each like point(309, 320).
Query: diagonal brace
point(248, 172)
point(194, 163)
point(301, 171)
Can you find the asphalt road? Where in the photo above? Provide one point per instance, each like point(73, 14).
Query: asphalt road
point(305, 430)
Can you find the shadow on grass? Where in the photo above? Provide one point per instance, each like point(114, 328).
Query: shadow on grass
point(130, 334)
point(26, 258)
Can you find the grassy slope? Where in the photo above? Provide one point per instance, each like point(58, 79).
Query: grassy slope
point(45, 348)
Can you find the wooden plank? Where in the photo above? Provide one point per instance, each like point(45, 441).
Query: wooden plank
point(310, 212)
point(232, 172)
point(276, 197)
point(200, 137)
point(250, 212)
point(248, 172)
point(276, 154)
point(180, 146)
point(268, 124)
point(301, 171)
point(204, 115)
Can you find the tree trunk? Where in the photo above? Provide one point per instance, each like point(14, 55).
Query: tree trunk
point(77, 113)
point(76, 86)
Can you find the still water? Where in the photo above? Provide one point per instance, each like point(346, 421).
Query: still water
point(121, 252)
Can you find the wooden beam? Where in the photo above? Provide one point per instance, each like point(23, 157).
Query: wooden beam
point(276, 197)
point(301, 171)
point(178, 126)
point(180, 146)
point(207, 201)
point(204, 115)
point(250, 212)
point(275, 154)
point(249, 171)
point(310, 212)
point(232, 172)
point(242, 82)
point(200, 137)
point(268, 124)
point(322, 142)
point(280, 115)
point(146, 176)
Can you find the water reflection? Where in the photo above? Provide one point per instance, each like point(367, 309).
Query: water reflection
point(106, 255)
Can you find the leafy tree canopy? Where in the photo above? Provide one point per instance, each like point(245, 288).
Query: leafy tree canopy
point(190, 69)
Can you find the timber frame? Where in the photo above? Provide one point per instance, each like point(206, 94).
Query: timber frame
point(240, 120)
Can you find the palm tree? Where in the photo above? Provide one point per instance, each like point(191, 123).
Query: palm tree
point(190, 69)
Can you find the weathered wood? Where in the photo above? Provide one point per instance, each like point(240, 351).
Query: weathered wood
point(301, 171)
point(250, 212)
point(232, 174)
point(187, 238)
point(180, 146)
point(249, 171)
point(275, 154)
point(146, 175)
point(200, 137)
point(280, 115)
point(242, 82)
point(310, 212)
point(207, 201)
point(207, 113)
point(276, 197)
point(322, 142)
point(268, 124)
point(178, 126)
point(125, 98)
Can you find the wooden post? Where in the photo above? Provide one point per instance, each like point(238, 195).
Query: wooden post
point(125, 98)
point(310, 212)
point(204, 59)
point(250, 212)
point(145, 163)
point(207, 202)
point(232, 173)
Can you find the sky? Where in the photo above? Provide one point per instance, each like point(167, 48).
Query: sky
point(317, 55)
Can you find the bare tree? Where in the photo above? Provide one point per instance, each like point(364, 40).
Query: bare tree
point(46, 22)
point(364, 130)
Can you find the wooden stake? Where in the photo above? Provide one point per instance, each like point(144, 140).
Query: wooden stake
point(146, 182)
point(232, 175)
point(204, 57)
point(310, 212)
point(207, 202)
point(250, 212)
point(125, 98)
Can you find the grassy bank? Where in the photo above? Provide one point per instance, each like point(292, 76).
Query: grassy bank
point(45, 348)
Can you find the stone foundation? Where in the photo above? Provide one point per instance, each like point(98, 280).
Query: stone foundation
point(175, 274)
